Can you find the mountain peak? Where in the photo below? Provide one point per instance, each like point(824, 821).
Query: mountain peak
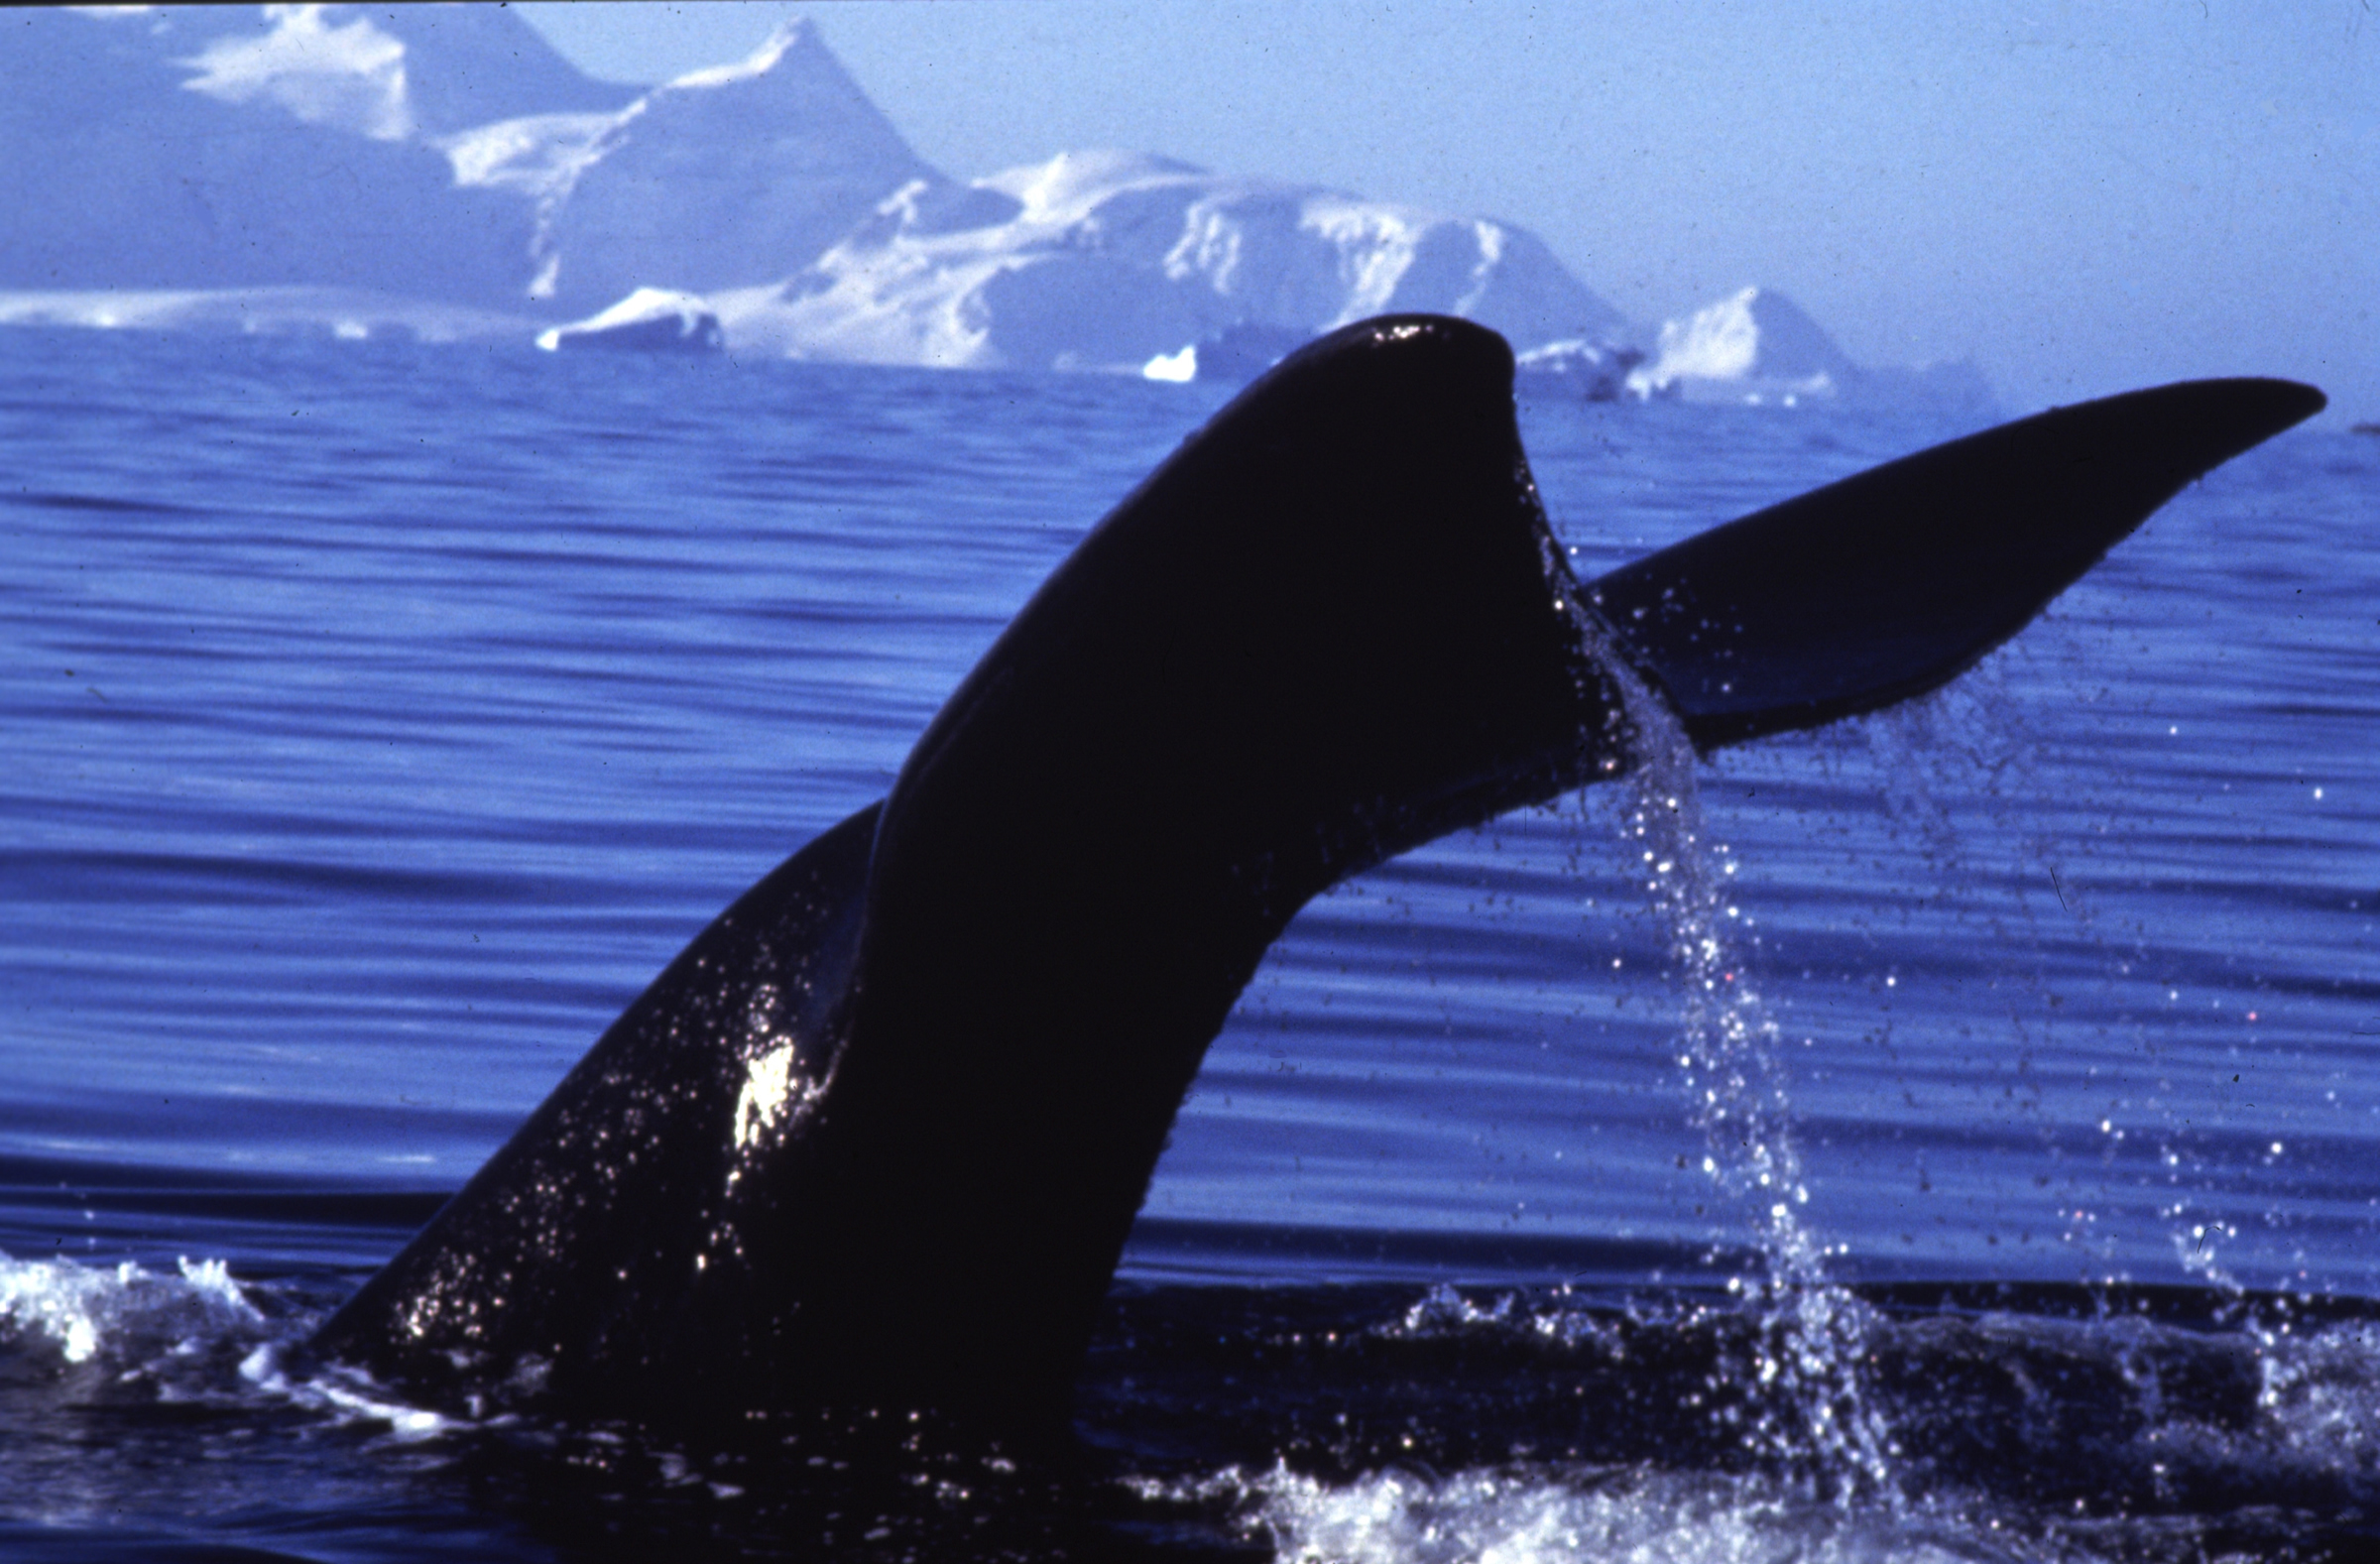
point(729, 176)
point(790, 90)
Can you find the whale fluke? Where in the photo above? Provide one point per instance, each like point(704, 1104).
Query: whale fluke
point(879, 1133)
point(1946, 554)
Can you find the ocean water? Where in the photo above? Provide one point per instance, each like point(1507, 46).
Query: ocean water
point(381, 717)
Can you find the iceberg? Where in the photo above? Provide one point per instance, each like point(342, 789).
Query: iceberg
point(649, 320)
point(1239, 353)
point(1178, 369)
point(1757, 347)
point(1752, 347)
point(1588, 371)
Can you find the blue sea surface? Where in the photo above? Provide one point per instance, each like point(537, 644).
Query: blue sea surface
point(381, 717)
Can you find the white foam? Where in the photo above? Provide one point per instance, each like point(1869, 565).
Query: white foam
point(180, 1333)
point(1442, 1311)
point(82, 1312)
point(1505, 1516)
point(2319, 1396)
point(344, 1396)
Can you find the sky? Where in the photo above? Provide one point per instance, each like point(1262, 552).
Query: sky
point(2081, 197)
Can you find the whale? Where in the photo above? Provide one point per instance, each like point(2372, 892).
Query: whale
point(877, 1136)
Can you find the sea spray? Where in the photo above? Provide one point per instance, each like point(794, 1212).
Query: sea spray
point(1809, 1409)
point(117, 1316)
point(1961, 773)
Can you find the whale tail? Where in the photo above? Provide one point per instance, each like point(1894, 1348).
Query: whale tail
point(1896, 580)
point(880, 1132)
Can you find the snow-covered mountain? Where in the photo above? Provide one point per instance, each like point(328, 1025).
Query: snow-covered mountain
point(448, 154)
point(441, 170)
point(212, 149)
point(774, 187)
point(722, 179)
point(1107, 260)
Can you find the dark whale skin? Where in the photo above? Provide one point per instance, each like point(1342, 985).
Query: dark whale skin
point(877, 1136)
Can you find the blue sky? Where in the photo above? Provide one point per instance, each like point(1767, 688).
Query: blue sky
point(2082, 197)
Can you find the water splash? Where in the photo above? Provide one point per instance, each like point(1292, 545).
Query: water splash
point(1810, 1412)
point(195, 1336)
point(81, 1313)
point(1518, 1516)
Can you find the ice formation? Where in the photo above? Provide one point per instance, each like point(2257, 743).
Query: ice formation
point(217, 167)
